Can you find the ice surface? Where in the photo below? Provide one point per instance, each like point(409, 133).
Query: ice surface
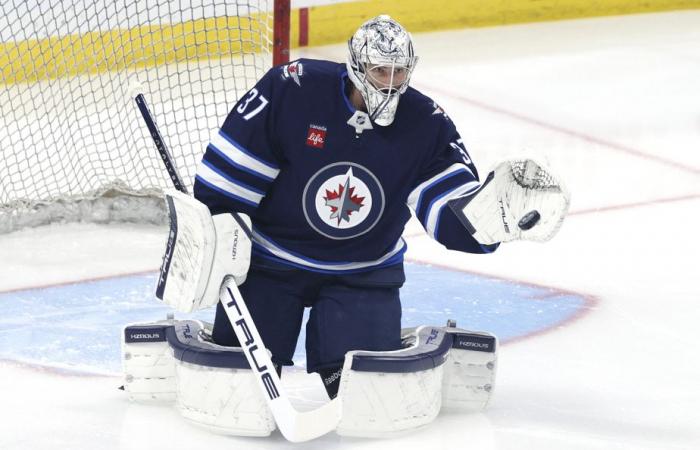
point(612, 104)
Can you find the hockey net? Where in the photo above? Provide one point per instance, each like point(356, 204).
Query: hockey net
point(73, 145)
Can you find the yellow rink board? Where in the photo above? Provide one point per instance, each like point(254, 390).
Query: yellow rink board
point(336, 23)
point(147, 46)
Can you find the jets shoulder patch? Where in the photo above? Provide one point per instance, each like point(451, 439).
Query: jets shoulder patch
point(294, 71)
point(437, 110)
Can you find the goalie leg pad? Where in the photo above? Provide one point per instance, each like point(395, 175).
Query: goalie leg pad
point(215, 387)
point(387, 392)
point(212, 386)
point(384, 393)
point(147, 362)
point(223, 400)
point(470, 370)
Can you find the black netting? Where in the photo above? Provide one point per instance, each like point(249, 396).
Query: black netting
point(531, 175)
point(70, 129)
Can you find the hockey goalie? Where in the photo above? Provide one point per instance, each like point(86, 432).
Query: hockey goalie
point(299, 202)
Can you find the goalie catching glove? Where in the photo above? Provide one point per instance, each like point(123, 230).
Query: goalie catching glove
point(519, 200)
point(202, 250)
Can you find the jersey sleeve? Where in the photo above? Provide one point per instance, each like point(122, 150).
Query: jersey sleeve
point(240, 162)
point(449, 174)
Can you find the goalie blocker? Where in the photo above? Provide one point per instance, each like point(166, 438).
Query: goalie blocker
point(201, 251)
point(382, 392)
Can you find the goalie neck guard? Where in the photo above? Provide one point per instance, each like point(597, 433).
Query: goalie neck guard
point(380, 63)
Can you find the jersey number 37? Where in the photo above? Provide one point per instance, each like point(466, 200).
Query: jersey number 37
point(247, 102)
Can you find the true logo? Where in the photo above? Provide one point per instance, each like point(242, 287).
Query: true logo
point(316, 137)
point(251, 347)
point(504, 218)
point(168, 257)
point(433, 335)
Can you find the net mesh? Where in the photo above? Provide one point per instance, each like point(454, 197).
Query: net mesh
point(529, 174)
point(71, 133)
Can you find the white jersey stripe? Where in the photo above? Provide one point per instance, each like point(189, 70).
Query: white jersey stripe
point(414, 198)
point(211, 176)
point(241, 157)
point(301, 260)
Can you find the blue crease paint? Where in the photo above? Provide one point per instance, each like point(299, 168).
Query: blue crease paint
point(78, 325)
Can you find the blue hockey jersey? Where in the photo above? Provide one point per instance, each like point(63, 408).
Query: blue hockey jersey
point(328, 190)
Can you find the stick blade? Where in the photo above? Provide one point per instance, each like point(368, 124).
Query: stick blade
point(303, 426)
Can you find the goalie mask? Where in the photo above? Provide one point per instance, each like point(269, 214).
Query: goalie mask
point(380, 63)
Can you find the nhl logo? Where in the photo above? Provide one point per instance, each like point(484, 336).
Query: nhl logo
point(360, 120)
point(343, 200)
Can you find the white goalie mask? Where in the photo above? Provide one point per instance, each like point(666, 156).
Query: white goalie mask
point(380, 63)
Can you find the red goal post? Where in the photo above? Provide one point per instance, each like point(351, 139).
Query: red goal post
point(281, 32)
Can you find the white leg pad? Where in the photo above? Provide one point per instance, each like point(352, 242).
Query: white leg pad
point(387, 392)
point(226, 401)
point(379, 404)
point(217, 391)
point(384, 393)
point(469, 375)
point(147, 363)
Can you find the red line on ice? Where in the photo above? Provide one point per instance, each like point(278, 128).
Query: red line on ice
point(634, 205)
point(573, 133)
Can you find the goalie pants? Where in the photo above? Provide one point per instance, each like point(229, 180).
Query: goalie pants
point(348, 312)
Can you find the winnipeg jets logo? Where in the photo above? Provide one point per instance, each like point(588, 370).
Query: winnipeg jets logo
point(293, 70)
point(343, 200)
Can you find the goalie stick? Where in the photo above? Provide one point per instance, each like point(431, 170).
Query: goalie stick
point(294, 425)
point(160, 143)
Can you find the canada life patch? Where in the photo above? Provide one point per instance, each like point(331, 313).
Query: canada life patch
point(343, 200)
point(316, 137)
